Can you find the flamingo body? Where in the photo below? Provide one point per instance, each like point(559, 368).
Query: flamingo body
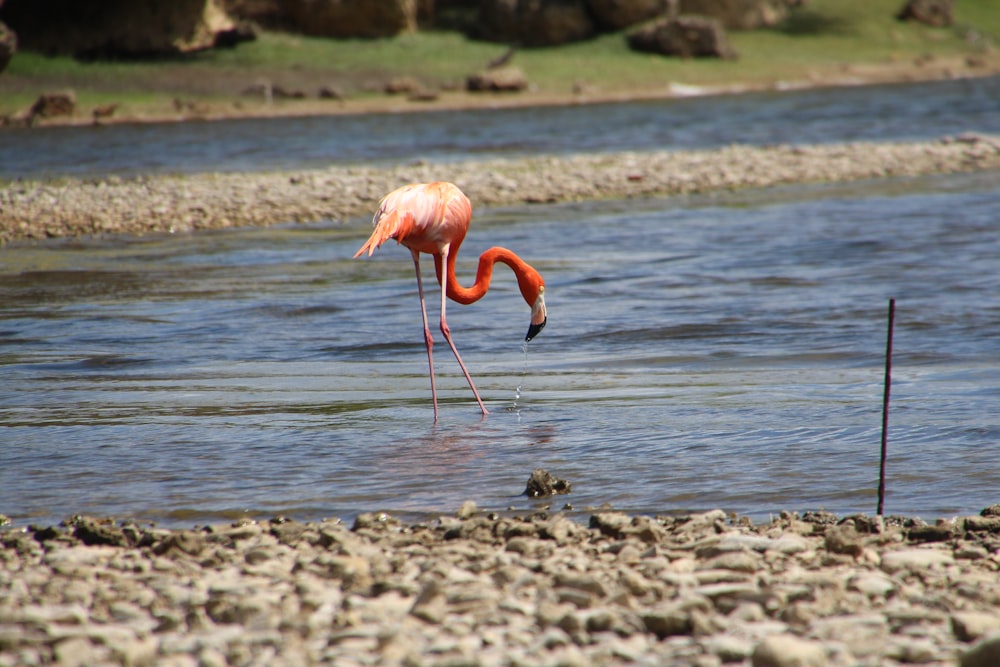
point(433, 218)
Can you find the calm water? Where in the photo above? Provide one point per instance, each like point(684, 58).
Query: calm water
point(904, 111)
point(715, 351)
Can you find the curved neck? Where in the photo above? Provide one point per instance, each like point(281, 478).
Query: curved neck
point(484, 274)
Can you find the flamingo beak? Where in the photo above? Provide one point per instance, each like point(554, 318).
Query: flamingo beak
point(538, 318)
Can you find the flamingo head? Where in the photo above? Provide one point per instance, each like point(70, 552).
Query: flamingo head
point(533, 291)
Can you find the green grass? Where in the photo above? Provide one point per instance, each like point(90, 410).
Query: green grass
point(817, 39)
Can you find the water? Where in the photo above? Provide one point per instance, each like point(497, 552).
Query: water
point(901, 111)
point(701, 352)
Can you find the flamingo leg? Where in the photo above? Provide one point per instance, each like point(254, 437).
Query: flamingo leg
point(447, 336)
point(428, 339)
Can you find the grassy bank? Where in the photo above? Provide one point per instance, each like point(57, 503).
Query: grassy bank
point(826, 41)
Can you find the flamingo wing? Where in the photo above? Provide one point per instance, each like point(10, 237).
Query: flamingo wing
point(396, 225)
point(422, 216)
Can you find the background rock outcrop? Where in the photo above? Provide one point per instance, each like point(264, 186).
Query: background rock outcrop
point(352, 18)
point(741, 14)
point(131, 28)
point(534, 22)
point(8, 46)
point(937, 13)
point(122, 28)
point(617, 14)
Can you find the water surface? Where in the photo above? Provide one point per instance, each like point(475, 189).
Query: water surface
point(701, 352)
point(874, 113)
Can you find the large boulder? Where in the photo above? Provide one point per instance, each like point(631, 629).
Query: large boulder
point(684, 36)
point(614, 15)
point(352, 18)
point(937, 13)
point(741, 14)
point(8, 46)
point(535, 22)
point(96, 28)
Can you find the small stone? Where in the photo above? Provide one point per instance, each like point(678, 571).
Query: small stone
point(788, 651)
point(914, 559)
point(844, 539)
point(984, 654)
point(431, 605)
point(872, 584)
point(969, 626)
point(992, 510)
point(467, 510)
point(667, 623)
point(966, 551)
point(74, 652)
point(729, 648)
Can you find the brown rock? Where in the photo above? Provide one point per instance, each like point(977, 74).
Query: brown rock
point(352, 18)
point(507, 79)
point(844, 539)
point(97, 28)
point(985, 524)
point(542, 484)
point(402, 84)
point(8, 45)
point(984, 654)
point(104, 111)
point(49, 105)
point(94, 532)
point(936, 533)
point(617, 14)
point(685, 36)
point(180, 543)
point(992, 510)
point(534, 22)
point(740, 14)
point(667, 623)
point(267, 13)
point(936, 13)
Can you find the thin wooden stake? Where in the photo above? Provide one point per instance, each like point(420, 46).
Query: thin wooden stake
point(885, 407)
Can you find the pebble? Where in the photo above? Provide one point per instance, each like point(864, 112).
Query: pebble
point(146, 204)
point(703, 589)
point(784, 650)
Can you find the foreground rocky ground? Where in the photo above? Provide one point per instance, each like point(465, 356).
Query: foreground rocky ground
point(147, 204)
point(486, 589)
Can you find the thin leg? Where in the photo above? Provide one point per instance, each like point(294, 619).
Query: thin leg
point(428, 339)
point(447, 336)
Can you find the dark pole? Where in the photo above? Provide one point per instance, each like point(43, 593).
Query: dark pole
point(885, 407)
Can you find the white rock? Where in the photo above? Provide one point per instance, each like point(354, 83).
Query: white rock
point(788, 651)
point(915, 559)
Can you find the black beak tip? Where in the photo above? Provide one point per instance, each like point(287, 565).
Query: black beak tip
point(534, 330)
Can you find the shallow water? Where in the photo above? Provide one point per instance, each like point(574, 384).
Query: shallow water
point(701, 352)
point(899, 111)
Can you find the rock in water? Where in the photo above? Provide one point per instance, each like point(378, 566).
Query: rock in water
point(542, 484)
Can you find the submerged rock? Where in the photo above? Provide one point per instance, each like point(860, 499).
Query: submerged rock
point(542, 484)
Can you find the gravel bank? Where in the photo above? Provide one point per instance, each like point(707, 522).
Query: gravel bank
point(477, 589)
point(70, 207)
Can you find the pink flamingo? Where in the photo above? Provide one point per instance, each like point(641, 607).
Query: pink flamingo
point(434, 218)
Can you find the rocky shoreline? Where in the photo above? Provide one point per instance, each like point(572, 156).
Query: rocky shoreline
point(487, 589)
point(182, 203)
